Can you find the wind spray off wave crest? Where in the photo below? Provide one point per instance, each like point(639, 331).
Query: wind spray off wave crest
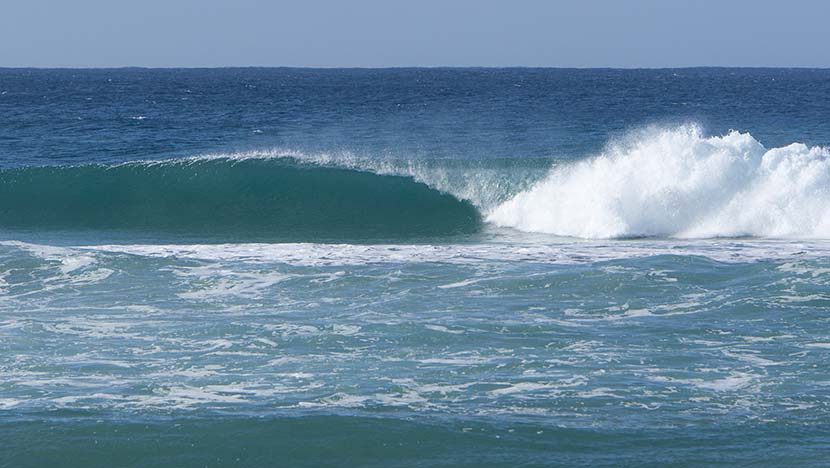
point(676, 182)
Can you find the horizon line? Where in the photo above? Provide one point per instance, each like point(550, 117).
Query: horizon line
point(416, 67)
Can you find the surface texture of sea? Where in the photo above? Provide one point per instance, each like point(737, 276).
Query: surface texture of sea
point(414, 267)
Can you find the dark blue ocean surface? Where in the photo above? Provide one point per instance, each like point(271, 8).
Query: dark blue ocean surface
point(81, 116)
point(414, 267)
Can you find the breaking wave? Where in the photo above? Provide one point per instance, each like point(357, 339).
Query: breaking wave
point(659, 182)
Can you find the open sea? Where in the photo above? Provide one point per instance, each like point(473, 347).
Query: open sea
point(414, 268)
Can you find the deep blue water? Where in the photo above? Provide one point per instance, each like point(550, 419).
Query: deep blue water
point(414, 267)
point(79, 116)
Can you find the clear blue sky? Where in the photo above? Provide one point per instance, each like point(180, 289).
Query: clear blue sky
point(377, 33)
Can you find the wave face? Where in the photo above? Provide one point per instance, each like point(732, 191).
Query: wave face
point(224, 199)
point(678, 183)
point(485, 183)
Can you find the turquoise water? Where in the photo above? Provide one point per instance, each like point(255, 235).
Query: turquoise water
point(414, 268)
point(265, 200)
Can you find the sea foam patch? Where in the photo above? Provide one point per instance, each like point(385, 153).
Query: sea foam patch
point(559, 252)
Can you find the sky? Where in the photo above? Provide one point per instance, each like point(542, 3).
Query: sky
point(392, 33)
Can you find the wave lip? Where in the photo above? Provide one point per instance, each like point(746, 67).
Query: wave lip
point(216, 199)
point(676, 182)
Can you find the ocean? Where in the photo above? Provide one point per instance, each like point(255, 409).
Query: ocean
point(414, 267)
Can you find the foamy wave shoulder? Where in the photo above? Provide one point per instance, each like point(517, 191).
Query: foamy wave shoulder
point(677, 182)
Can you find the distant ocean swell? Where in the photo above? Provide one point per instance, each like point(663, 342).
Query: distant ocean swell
point(659, 182)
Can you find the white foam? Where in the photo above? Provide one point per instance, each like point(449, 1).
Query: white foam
point(678, 183)
point(70, 260)
point(523, 387)
point(732, 382)
point(460, 284)
point(443, 329)
point(229, 283)
point(558, 252)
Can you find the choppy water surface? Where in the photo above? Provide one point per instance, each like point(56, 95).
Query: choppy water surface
point(414, 268)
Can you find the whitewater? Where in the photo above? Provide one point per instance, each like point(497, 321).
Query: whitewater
point(676, 182)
